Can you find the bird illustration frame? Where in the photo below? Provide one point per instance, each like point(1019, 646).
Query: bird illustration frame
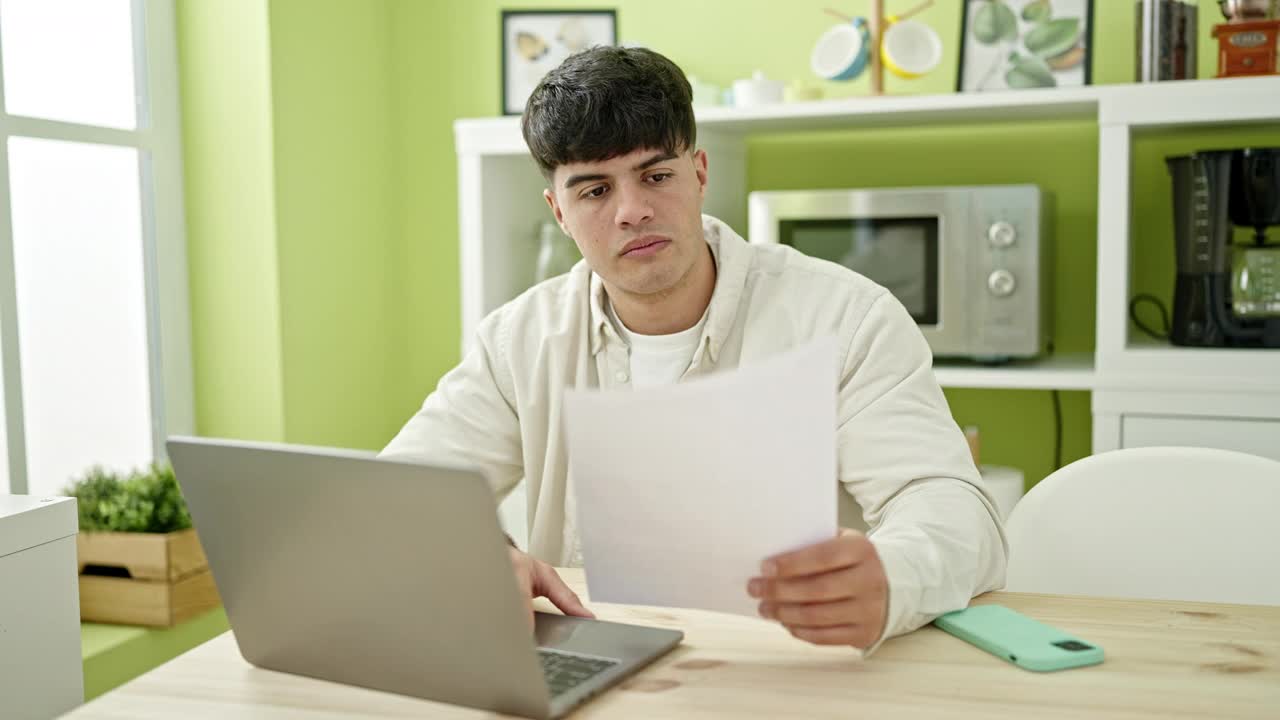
point(1018, 44)
point(535, 41)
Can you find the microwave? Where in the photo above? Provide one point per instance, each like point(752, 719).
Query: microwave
point(970, 264)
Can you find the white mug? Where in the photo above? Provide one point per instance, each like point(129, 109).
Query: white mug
point(757, 90)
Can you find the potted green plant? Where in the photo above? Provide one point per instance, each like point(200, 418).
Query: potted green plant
point(140, 560)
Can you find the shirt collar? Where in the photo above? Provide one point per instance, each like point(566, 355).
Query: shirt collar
point(731, 257)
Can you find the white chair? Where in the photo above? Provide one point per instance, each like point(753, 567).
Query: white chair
point(1164, 523)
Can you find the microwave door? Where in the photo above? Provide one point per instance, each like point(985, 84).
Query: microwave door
point(903, 243)
point(899, 253)
point(953, 336)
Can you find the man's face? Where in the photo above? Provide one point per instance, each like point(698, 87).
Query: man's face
point(637, 218)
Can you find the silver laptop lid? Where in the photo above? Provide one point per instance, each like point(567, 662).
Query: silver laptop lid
point(340, 566)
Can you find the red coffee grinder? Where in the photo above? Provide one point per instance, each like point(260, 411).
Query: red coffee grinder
point(1249, 40)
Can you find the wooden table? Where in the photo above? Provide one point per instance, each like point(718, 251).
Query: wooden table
point(1164, 660)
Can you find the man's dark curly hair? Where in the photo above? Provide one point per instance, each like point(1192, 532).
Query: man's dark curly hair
point(605, 102)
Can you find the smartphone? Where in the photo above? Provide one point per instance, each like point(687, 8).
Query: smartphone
point(1012, 636)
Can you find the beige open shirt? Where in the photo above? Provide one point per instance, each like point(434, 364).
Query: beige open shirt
point(900, 454)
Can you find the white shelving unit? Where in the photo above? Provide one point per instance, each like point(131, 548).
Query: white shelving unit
point(1153, 393)
point(1066, 371)
point(500, 206)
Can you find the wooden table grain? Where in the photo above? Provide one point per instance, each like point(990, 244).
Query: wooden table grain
point(1165, 660)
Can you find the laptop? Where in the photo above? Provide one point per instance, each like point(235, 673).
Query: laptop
point(388, 575)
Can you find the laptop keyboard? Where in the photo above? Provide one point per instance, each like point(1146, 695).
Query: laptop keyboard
point(565, 672)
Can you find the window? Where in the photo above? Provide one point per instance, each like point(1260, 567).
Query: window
point(94, 349)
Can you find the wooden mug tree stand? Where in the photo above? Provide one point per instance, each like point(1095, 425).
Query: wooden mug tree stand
point(876, 26)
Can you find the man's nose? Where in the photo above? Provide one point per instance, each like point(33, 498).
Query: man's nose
point(633, 207)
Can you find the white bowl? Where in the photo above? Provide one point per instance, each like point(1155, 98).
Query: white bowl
point(911, 49)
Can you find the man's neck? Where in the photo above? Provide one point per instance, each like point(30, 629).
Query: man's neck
point(676, 309)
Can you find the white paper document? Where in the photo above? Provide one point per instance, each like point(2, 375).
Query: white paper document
point(681, 491)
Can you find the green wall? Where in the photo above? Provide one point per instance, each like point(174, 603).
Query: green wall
point(297, 260)
point(337, 178)
point(362, 100)
point(229, 172)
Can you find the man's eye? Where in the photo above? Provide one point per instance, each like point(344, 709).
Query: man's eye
point(595, 192)
point(659, 178)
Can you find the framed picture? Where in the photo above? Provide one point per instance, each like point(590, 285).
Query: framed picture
point(1014, 44)
point(535, 41)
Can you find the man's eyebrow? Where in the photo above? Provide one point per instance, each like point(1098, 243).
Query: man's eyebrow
point(577, 179)
point(592, 177)
point(660, 157)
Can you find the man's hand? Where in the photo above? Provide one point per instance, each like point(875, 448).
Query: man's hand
point(832, 593)
point(538, 579)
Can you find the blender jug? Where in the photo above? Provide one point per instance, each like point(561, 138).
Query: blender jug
point(1202, 239)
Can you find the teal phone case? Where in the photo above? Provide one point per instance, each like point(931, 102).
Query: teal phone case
point(1012, 636)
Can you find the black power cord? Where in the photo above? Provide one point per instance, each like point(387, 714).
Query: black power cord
point(1056, 400)
point(1164, 315)
point(1057, 428)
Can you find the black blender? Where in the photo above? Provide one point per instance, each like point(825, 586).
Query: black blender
point(1226, 294)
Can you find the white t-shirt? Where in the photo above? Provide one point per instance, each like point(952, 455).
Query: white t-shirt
point(658, 359)
point(654, 360)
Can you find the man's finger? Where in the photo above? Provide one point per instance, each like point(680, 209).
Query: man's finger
point(839, 552)
point(863, 579)
point(529, 614)
point(856, 635)
point(823, 614)
point(561, 595)
point(525, 580)
point(825, 587)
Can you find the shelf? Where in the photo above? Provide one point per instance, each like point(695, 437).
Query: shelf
point(1191, 102)
point(1148, 364)
point(905, 110)
point(1147, 105)
point(1067, 371)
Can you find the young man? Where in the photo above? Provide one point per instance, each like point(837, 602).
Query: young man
point(666, 294)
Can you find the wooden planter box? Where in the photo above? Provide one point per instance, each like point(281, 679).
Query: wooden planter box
point(143, 578)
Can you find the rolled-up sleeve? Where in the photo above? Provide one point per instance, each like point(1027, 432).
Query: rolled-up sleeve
point(905, 461)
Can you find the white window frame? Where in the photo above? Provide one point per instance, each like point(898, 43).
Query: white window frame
point(158, 141)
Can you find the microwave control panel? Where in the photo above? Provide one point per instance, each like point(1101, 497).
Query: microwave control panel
point(1009, 317)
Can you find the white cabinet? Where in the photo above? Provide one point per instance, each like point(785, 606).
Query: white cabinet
point(41, 675)
point(1242, 416)
point(1250, 435)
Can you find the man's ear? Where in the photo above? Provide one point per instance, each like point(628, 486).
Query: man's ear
point(700, 167)
point(554, 204)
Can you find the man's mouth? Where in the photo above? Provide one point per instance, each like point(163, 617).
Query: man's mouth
point(646, 245)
